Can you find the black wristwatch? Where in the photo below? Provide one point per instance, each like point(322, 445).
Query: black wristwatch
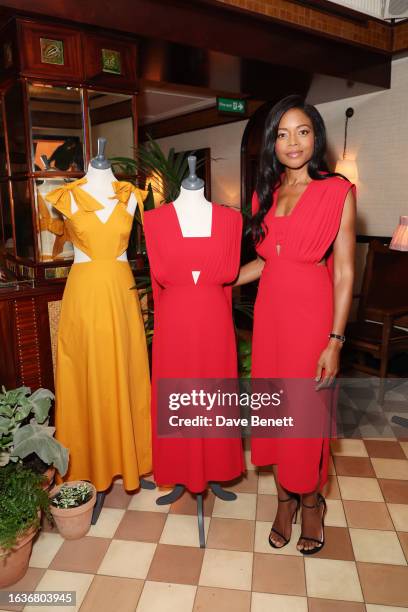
point(338, 337)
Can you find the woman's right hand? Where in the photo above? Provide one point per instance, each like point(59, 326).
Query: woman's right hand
point(250, 272)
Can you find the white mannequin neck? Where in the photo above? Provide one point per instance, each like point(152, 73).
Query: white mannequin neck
point(194, 213)
point(190, 197)
point(100, 179)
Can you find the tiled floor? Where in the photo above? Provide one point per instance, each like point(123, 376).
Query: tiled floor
point(145, 557)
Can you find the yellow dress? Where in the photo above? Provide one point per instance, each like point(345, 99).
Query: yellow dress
point(102, 373)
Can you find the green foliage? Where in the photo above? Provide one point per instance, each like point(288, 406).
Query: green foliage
point(21, 497)
point(71, 496)
point(24, 428)
point(164, 173)
point(144, 285)
point(244, 358)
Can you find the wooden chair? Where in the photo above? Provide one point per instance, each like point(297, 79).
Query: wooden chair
point(383, 303)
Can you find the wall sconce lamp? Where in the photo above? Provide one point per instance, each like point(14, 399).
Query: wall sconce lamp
point(347, 167)
point(399, 241)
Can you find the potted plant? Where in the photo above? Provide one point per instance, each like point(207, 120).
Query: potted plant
point(71, 505)
point(22, 499)
point(24, 431)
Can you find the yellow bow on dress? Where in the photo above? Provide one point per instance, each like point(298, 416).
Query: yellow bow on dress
point(60, 197)
point(123, 189)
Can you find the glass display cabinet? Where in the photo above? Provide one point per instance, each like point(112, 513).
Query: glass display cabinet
point(61, 88)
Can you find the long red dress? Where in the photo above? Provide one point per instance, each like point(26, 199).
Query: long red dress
point(193, 334)
point(293, 316)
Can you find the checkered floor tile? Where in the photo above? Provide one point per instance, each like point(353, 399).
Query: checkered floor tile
point(144, 557)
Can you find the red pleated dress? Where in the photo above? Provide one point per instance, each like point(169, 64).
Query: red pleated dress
point(193, 334)
point(293, 316)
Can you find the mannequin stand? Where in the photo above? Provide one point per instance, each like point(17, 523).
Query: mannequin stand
point(100, 499)
point(200, 516)
point(178, 491)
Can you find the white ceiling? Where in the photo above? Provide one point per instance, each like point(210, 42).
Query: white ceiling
point(377, 8)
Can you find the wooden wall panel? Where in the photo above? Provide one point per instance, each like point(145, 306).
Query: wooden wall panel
point(8, 369)
point(25, 336)
point(28, 352)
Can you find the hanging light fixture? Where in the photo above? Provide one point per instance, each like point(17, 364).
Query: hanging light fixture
point(345, 166)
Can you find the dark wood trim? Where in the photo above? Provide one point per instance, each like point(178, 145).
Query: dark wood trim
point(5, 130)
point(8, 343)
point(399, 29)
point(324, 6)
point(111, 112)
point(135, 121)
point(227, 30)
point(87, 132)
point(191, 122)
point(25, 291)
point(366, 239)
point(56, 120)
point(51, 174)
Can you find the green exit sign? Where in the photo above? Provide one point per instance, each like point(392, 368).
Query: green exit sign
point(234, 106)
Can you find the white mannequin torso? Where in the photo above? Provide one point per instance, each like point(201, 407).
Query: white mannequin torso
point(194, 215)
point(99, 186)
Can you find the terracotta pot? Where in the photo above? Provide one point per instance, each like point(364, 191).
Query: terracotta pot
point(73, 523)
point(14, 564)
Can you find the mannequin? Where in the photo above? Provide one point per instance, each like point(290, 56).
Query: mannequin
point(194, 214)
point(125, 332)
point(194, 252)
point(99, 183)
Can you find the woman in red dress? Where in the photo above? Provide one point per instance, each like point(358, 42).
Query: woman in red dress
point(304, 230)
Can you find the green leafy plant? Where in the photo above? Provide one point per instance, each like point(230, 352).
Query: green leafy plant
point(244, 358)
point(144, 287)
point(21, 499)
point(24, 428)
point(163, 173)
point(71, 496)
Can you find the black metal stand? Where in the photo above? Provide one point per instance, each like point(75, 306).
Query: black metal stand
point(400, 421)
point(200, 516)
point(178, 491)
point(147, 484)
point(171, 497)
point(218, 491)
point(100, 499)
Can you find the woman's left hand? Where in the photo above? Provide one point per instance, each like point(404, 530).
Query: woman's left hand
point(329, 361)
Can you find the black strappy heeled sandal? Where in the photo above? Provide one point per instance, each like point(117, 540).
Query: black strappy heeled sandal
point(315, 549)
point(294, 518)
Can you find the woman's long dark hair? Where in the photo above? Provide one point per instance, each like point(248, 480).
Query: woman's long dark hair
point(270, 169)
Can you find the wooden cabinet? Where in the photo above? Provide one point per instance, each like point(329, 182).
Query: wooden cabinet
point(109, 60)
point(28, 327)
point(50, 51)
point(60, 89)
